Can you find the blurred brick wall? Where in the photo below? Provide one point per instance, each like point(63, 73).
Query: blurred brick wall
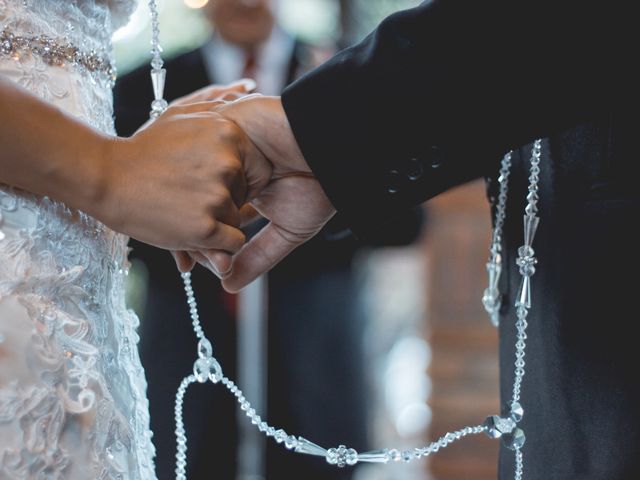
point(464, 367)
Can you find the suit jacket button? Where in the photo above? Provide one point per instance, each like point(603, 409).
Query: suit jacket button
point(394, 180)
point(414, 169)
point(435, 157)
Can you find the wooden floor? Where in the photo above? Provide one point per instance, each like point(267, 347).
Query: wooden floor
point(464, 367)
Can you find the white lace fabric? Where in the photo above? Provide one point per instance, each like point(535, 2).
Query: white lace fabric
point(72, 390)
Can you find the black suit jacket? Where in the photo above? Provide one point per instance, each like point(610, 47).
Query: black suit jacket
point(469, 81)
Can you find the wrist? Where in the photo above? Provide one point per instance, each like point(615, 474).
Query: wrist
point(104, 185)
point(87, 182)
point(265, 122)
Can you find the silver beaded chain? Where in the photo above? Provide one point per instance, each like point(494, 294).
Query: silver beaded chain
point(505, 426)
point(206, 368)
point(158, 74)
point(491, 298)
point(526, 262)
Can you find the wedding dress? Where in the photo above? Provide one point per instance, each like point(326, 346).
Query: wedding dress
point(72, 390)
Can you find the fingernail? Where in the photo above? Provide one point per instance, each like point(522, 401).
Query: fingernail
point(215, 271)
point(227, 273)
point(249, 84)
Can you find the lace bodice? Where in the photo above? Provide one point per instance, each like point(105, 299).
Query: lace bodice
point(87, 24)
point(72, 389)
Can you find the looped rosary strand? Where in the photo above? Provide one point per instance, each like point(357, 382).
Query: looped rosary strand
point(207, 369)
point(506, 426)
point(491, 298)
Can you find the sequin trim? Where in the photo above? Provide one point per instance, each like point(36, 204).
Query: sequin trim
point(57, 53)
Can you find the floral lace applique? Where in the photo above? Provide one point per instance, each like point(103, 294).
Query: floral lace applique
point(42, 414)
point(76, 407)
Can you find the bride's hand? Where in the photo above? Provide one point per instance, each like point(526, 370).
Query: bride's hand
point(213, 93)
point(176, 184)
point(179, 182)
point(217, 261)
point(233, 91)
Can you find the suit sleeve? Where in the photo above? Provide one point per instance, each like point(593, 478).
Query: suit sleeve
point(437, 94)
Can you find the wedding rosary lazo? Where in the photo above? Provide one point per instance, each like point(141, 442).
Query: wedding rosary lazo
point(206, 367)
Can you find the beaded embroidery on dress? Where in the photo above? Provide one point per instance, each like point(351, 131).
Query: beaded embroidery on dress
point(72, 390)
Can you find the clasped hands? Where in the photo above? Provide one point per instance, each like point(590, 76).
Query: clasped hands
point(203, 169)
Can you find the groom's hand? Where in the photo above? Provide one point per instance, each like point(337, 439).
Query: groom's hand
point(293, 200)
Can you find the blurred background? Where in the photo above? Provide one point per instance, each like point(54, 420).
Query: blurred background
point(338, 22)
point(375, 344)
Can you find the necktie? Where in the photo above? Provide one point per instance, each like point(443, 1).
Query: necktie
point(250, 69)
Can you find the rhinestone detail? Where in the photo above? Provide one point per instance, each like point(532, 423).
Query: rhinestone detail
point(57, 53)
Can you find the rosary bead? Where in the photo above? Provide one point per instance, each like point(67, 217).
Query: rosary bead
point(517, 412)
point(207, 369)
point(523, 298)
point(159, 106)
point(395, 455)
point(205, 350)
point(291, 442)
point(514, 440)
point(157, 63)
point(158, 77)
point(310, 448)
point(342, 456)
point(332, 456)
point(532, 196)
point(376, 456)
point(490, 425)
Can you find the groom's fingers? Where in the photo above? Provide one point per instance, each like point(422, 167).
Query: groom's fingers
point(218, 92)
point(220, 236)
point(263, 252)
point(219, 260)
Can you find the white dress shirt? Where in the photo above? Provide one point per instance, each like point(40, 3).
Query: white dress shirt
point(225, 61)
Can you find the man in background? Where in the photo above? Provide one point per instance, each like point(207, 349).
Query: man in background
point(315, 368)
